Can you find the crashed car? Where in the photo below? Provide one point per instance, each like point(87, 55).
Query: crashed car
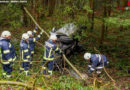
point(67, 43)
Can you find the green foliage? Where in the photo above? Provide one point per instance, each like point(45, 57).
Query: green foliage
point(65, 82)
point(115, 21)
point(11, 14)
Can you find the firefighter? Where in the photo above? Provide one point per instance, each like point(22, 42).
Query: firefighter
point(7, 53)
point(96, 62)
point(32, 41)
point(48, 58)
point(25, 54)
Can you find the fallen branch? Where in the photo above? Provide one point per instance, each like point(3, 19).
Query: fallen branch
point(35, 22)
point(17, 83)
point(74, 68)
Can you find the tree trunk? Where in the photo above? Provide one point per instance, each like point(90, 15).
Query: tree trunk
point(109, 7)
point(103, 25)
point(36, 11)
point(118, 3)
point(125, 3)
point(108, 11)
point(90, 4)
point(51, 6)
point(25, 21)
point(93, 15)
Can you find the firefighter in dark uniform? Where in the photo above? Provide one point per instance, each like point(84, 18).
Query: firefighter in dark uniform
point(7, 53)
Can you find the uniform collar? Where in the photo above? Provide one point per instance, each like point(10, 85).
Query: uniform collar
point(4, 39)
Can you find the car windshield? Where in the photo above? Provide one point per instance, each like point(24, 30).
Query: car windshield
point(68, 29)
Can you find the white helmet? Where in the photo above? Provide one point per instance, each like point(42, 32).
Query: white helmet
point(25, 36)
point(29, 33)
point(5, 33)
point(53, 37)
point(87, 56)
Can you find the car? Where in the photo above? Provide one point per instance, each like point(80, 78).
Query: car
point(67, 42)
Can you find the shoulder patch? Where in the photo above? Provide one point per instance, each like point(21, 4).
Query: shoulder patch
point(49, 44)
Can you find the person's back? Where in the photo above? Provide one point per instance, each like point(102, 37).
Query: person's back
point(32, 40)
point(8, 55)
point(25, 54)
point(98, 58)
point(96, 62)
point(7, 50)
point(50, 48)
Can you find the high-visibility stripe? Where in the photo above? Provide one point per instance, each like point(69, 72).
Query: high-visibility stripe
point(28, 56)
point(57, 49)
point(98, 72)
point(34, 31)
point(10, 45)
point(50, 53)
point(26, 50)
point(43, 67)
point(99, 67)
point(50, 72)
point(10, 60)
point(6, 51)
point(39, 36)
point(32, 52)
point(28, 46)
point(8, 76)
point(26, 71)
point(99, 58)
point(26, 60)
point(21, 68)
point(14, 58)
point(4, 73)
point(92, 69)
point(89, 66)
point(34, 39)
point(3, 62)
point(30, 62)
point(48, 58)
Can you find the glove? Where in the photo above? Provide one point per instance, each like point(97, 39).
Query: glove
point(36, 28)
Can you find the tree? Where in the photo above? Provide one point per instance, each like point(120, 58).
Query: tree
point(51, 6)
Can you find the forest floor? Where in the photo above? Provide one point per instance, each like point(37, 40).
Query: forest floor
point(67, 79)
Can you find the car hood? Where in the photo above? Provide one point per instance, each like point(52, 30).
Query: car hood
point(67, 29)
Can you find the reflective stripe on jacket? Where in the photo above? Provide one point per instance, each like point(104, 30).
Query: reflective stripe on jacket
point(7, 51)
point(25, 53)
point(50, 48)
point(32, 42)
point(96, 60)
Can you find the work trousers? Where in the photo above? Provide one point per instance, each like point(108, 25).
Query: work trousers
point(49, 65)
